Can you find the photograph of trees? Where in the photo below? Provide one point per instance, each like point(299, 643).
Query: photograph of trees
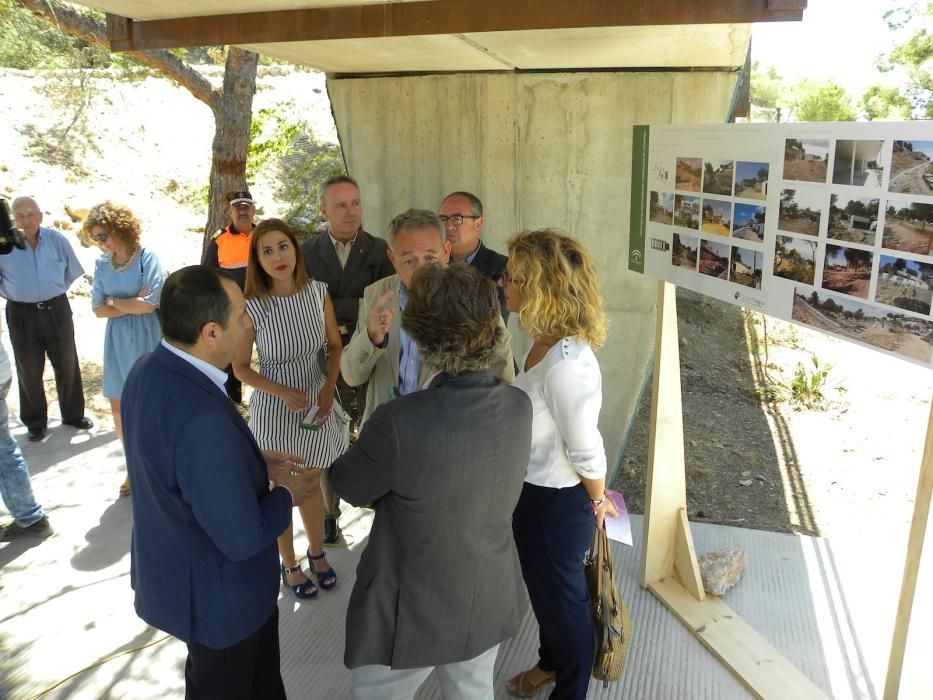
point(908, 226)
point(911, 169)
point(806, 159)
point(847, 270)
point(684, 251)
point(687, 211)
point(895, 332)
point(751, 180)
point(856, 221)
point(795, 259)
point(661, 207)
point(800, 211)
point(718, 180)
point(745, 267)
point(905, 284)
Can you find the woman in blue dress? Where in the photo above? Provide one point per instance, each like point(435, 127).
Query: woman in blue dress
point(127, 283)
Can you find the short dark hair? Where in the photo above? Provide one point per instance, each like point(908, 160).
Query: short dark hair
point(475, 204)
point(191, 298)
point(335, 180)
point(452, 314)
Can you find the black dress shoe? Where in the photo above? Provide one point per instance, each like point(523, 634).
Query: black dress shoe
point(331, 531)
point(83, 423)
point(36, 435)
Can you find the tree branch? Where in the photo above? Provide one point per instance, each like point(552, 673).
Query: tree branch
point(70, 21)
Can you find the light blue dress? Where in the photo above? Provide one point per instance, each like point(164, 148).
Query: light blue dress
point(127, 337)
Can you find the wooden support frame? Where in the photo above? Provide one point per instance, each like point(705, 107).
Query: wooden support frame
point(433, 17)
point(669, 564)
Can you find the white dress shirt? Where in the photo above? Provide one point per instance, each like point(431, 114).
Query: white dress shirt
point(565, 388)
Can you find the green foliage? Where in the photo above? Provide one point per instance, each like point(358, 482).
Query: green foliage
point(914, 54)
point(879, 102)
point(768, 93)
point(289, 152)
point(821, 101)
point(806, 388)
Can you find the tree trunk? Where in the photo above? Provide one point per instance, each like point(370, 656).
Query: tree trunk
point(233, 114)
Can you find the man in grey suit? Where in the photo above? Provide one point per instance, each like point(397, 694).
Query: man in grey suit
point(381, 352)
point(347, 260)
point(439, 584)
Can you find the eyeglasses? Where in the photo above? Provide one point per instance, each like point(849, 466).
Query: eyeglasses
point(100, 237)
point(456, 219)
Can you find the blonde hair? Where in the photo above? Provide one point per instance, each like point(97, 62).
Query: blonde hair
point(258, 283)
point(559, 286)
point(116, 219)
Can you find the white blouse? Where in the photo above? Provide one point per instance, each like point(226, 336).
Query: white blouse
point(565, 388)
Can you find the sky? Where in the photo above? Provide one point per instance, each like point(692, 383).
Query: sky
point(837, 39)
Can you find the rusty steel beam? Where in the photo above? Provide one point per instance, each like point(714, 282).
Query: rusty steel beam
point(438, 17)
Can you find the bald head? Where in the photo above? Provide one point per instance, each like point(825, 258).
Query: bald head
point(27, 216)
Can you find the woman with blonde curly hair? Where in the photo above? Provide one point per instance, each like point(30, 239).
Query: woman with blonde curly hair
point(551, 282)
point(127, 283)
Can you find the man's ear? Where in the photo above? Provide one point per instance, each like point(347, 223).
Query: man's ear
point(479, 223)
point(391, 258)
point(208, 335)
point(446, 253)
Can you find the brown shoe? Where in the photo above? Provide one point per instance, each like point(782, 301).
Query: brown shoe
point(41, 529)
point(522, 686)
point(125, 488)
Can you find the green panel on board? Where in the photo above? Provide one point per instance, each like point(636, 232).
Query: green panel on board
point(636, 235)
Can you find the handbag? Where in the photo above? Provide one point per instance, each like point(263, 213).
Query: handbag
point(611, 619)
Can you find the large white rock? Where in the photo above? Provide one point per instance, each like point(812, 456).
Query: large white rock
point(722, 569)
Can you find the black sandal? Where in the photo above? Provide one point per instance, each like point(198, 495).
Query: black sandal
point(302, 590)
point(325, 579)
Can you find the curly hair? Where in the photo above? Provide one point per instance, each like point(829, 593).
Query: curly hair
point(559, 286)
point(258, 282)
point(452, 314)
point(117, 220)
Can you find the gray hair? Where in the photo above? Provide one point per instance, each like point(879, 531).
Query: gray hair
point(334, 180)
point(476, 205)
point(416, 219)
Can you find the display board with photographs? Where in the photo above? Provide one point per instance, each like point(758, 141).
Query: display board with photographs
point(829, 225)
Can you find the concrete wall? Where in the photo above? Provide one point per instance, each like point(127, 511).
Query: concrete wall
point(540, 150)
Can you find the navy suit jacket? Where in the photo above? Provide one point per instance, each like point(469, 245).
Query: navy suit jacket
point(204, 560)
point(368, 262)
point(492, 265)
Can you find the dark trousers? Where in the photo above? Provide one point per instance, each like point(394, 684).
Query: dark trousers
point(553, 529)
point(353, 400)
point(233, 385)
point(248, 670)
point(37, 330)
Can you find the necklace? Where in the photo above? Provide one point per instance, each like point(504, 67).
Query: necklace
point(122, 267)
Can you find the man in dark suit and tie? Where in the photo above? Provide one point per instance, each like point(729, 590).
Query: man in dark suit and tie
point(347, 260)
point(207, 504)
point(439, 584)
point(462, 214)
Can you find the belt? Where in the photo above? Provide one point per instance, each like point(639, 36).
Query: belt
point(41, 305)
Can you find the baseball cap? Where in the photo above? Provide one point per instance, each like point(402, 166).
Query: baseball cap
point(240, 197)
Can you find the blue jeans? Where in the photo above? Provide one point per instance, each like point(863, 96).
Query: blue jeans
point(14, 475)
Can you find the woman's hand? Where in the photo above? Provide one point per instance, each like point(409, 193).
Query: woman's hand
point(325, 403)
point(144, 291)
point(295, 399)
point(607, 506)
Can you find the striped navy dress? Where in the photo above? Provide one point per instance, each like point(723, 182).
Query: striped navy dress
point(289, 336)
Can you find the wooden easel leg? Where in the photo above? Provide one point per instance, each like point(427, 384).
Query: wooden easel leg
point(686, 567)
point(918, 527)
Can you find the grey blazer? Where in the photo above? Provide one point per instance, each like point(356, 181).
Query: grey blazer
point(439, 581)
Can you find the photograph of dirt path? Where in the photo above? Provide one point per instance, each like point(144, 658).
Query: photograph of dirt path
point(847, 270)
point(855, 221)
point(748, 222)
point(684, 251)
point(687, 174)
point(795, 258)
point(717, 179)
point(905, 284)
point(717, 216)
point(908, 226)
point(898, 333)
point(911, 169)
point(800, 211)
point(661, 207)
point(751, 180)
point(806, 159)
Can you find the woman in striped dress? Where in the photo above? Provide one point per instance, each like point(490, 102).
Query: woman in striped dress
point(293, 319)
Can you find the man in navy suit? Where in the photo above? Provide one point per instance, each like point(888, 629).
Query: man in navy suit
point(462, 215)
point(207, 504)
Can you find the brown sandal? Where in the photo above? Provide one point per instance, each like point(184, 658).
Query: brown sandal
point(125, 488)
point(521, 687)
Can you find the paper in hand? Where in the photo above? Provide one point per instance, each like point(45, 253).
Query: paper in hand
point(619, 527)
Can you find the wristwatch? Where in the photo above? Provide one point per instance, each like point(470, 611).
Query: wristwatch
point(109, 301)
